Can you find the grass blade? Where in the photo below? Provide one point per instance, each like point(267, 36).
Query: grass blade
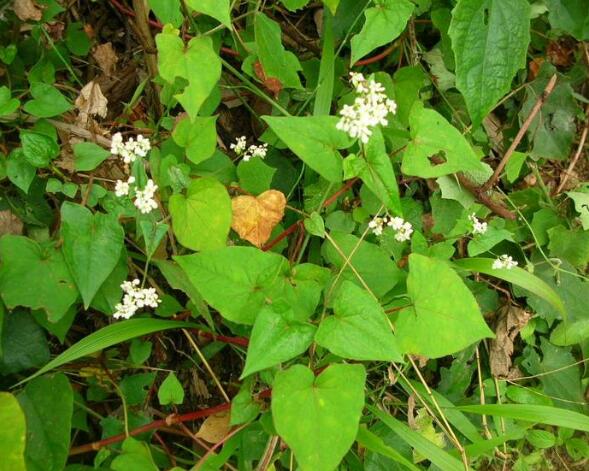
point(517, 276)
point(374, 443)
point(107, 337)
point(326, 69)
point(435, 454)
point(533, 413)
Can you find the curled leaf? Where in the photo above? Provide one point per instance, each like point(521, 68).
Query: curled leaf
point(215, 428)
point(254, 218)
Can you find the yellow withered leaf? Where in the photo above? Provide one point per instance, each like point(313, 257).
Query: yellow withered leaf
point(254, 218)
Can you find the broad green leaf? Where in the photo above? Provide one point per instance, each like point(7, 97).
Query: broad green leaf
point(533, 413)
point(444, 318)
point(239, 281)
point(570, 245)
point(377, 173)
point(135, 456)
point(433, 137)
point(170, 391)
point(167, 11)
point(570, 16)
point(23, 343)
point(359, 328)
point(107, 337)
point(136, 387)
point(318, 416)
point(88, 156)
point(481, 243)
point(370, 262)
point(276, 61)
point(36, 276)
point(197, 63)
point(315, 225)
point(276, 337)
point(202, 219)
point(47, 101)
point(315, 140)
point(517, 276)
point(384, 22)
point(19, 171)
point(39, 149)
point(153, 233)
point(218, 9)
point(436, 455)
point(48, 404)
point(92, 245)
point(255, 176)
point(490, 40)
point(198, 136)
point(554, 128)
point(374, 443)
point(12, 433)
point(541, 438)
point(407, 83)
point(8, 104)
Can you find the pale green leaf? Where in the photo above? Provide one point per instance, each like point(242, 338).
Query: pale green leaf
point(135, 456)
point(198, 136)
point(8, 104)
point(318, 416)
point(88, 156)
point(359, 328)
point(490, 40)
point(433, 137)
point(444, 317)
point(167, 11)
point(384, 22)
point(12, 434)
point(196, 62)
point(218, 9)
point(581, 201)
point(47, 101)
point(202, 219)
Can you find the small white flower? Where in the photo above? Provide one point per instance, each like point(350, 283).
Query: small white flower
point(478, 226)
point(239, 146)
point(396, 223)
point(144, 199)
point(258, 151)
point(130, 150)
point(404, 232)
point(134, 299)
point(370, 108)
point(504, 262)
point(376, 225)
point(123, 188)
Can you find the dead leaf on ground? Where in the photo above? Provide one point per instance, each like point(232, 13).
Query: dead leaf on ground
point(27, 10)
point(106, 58)
point(9, 223)
point(272, 84)
point(91, 102)
point(215, 427)
point(254, 218)
point(511, 321)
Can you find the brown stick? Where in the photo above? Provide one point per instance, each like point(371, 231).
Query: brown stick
point(483, 198)
point(520, 135)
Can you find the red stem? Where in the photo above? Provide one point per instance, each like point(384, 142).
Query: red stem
point(377, 57)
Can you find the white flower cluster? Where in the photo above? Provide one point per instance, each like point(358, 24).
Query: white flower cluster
point(240, 148)
point(130, 150)
point(504, 262)
point(134, 299)
point(402, 228)
point(478, 226)
point(144, 199)
point(371, 108)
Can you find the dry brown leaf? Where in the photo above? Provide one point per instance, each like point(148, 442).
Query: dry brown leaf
point(254, 218)
point(215, 427)
point(272, 84)
point(106, 58)
point(512, 319)
point(9, 223)
point(91, 102)
point(27, 10)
